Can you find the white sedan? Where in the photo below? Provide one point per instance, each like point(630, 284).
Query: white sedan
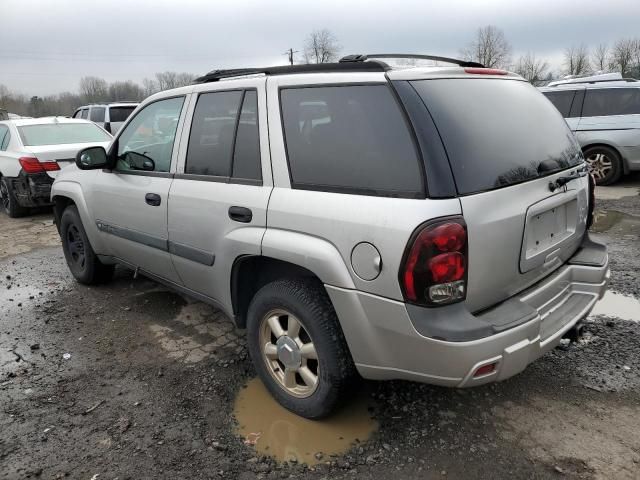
point(32, 151)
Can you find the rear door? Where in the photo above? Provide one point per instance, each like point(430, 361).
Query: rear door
point(505, 145)
point(218, 199)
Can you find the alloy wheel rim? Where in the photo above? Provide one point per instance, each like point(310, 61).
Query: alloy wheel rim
point(4, 196)
point(289, 353)
point(600, 165)
point(75, 245)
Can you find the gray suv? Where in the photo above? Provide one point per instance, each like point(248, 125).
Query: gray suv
point(604, 113)
point(427, 224)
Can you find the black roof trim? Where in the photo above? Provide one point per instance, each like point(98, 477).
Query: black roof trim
point(358, 58)
point(216, 75)
point(629, 80)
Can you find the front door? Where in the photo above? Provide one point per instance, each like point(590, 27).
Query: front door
point(130, 202)
point(218, 199)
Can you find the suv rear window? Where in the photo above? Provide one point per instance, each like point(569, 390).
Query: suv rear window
point(120, 114)
point(498, 132)
point(350, 139)
point(61, 134)
point(600, 102)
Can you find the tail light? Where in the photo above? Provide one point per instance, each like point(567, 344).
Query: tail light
point(33, 165)
point(592, 200)
point(434, 267)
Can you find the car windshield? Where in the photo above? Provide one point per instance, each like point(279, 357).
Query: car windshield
point(61, 133)
point(498, 132)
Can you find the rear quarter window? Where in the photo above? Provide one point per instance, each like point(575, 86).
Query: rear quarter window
point(562, 101)
point(350, 139)
point(120, 114)
point(601, 102)
point(497, 132)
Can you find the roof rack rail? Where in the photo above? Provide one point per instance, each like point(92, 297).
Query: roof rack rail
point(578, 82)
point(363, 58)
point(217, 75)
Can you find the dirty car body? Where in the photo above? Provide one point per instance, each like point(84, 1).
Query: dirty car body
point(442, 210)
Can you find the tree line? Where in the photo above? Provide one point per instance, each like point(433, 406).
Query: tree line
point(90, 90)
point(489, 47)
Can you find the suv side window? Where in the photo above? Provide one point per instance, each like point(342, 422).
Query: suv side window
point(97, 114)
point(246, 155)
point(350, 139)
point(150, 137)
point(84, 113)
point(601, 102)
point(4, 137)
point(562, 100)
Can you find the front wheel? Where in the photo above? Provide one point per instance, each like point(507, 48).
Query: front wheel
point(81, 259)
point(604, 164)
point(298, 348)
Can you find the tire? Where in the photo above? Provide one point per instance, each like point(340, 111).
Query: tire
point(81, 259)
point(9, 201)
point(604, 163)
point(335, 375)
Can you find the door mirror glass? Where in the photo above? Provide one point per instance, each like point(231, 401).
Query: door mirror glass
point(92, 158)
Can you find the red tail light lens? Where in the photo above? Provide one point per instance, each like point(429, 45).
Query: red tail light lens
point(434, 268)
point(33, 165)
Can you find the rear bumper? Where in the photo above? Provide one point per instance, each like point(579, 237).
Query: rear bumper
point(387, 342)
point(32, 190)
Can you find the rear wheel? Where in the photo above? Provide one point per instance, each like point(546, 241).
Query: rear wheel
point(81, 259)
point(298, 348)
point(604, 164)
point(9, 202)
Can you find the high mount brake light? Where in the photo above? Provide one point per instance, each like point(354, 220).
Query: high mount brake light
point(33, 165)
point(485, 71)
point(434, 268)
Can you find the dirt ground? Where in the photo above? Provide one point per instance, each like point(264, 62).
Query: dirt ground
point(132, 381)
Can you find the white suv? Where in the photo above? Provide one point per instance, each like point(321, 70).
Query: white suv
point(604, 113)
point(110, 116)
point(426, 224)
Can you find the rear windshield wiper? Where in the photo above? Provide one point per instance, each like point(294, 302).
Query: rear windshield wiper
point(562, 181)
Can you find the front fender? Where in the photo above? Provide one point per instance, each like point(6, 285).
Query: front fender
point(72, 190)
point(313, 253)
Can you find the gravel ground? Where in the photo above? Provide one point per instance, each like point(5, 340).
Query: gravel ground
point(147, 389)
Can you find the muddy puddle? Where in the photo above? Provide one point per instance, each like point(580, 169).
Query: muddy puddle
point(605, 220)
point(618, 305)
point(275, 432)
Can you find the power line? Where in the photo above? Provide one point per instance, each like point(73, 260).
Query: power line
point(290, 53)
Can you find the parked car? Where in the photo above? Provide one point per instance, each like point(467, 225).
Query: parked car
point(109, 116)
point(604, 113)
point(32, 151)
point(425, 224)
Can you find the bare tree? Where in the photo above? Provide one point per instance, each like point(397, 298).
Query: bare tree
point(635, 70)
point(321, 46)
point(533, 69)
point(576, 60)
point(149, 87)
point(119, 91)
point(490, 48)
point(93, 89)
point(600, 57)
point(167, 80)
point(623, 55)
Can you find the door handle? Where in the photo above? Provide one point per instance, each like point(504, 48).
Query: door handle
point(153, 199)
point(240, 214)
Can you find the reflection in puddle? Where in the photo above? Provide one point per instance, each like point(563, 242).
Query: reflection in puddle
point(278, 433)
point(605, 220)
point(618, 305)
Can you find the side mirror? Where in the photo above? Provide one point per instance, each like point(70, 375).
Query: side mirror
point(92, 158)
point(139, 161)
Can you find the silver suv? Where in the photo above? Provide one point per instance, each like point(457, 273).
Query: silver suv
point(427, 224)
point(110, 116)
point(604, 113)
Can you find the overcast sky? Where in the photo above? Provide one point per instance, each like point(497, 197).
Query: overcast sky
point(47, 45)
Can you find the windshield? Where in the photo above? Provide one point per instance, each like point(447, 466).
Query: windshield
point(498, 132)
point(120, 114)
point(61, 133)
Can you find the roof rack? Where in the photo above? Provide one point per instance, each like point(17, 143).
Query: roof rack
point(217, 75)
point(363, 58)
point(578, 82)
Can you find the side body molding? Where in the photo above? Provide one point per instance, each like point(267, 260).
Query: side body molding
point(312, 253)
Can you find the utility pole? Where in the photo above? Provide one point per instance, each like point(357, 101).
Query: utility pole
point(290, 53)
